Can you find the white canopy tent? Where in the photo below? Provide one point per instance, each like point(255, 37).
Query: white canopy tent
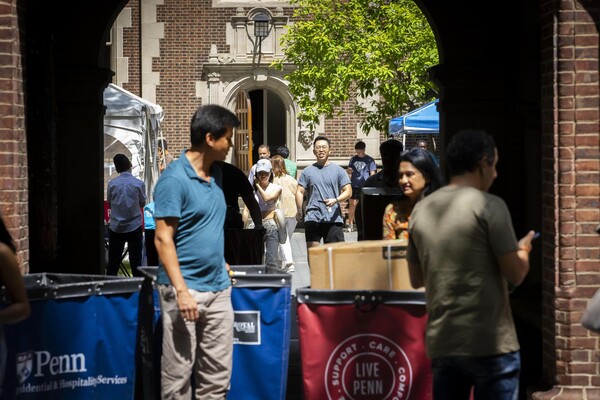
point(133, 124)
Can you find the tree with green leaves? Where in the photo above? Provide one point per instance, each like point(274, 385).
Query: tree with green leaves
point(373, 52)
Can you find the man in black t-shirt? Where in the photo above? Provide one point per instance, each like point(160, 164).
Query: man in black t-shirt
point(235, 184)
point(242, 246)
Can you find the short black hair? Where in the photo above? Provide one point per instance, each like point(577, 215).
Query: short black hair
point(321, 137)
point(466, 149)
point(360, 145)
point(283, 151)
point(391, 148)
point(121, 162)
point(212, 119)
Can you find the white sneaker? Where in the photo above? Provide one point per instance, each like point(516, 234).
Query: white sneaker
point(290, 268)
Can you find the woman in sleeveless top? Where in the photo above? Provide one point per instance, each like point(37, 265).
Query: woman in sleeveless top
point(267, 194)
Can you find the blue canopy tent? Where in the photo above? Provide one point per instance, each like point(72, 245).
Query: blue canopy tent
point(423, 120)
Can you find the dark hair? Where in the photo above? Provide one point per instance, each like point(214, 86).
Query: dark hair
point(325, 138)
point(390, 151)
point(391, 148)
point(360, 145)
point(162, 143)
point(121, 162)
point(424, 161)
point(283, 151)
point(212, 119)
point(466, 149)
point(6, 238)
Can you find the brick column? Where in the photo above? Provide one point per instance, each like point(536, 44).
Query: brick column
point(13, 143)
point(571, 187)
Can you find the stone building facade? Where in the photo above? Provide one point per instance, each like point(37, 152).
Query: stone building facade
point(205, 52)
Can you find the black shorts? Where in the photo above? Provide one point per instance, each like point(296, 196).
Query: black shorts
point(356, 193)
point(329, 232)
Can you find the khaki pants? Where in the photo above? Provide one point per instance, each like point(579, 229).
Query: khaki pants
point(204, 347)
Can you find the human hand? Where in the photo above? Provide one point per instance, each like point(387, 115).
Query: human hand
point(525, 242)
point(187, 306)
point(299, 215)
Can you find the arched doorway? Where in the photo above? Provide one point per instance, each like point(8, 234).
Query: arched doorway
point(268, 120)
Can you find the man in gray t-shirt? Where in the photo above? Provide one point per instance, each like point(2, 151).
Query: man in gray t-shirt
point(327, 185)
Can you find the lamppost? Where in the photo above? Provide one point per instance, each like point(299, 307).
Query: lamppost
point(262, 28)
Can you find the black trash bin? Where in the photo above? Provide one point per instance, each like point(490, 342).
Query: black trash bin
point(244, 246)
point(79, 341)
point(373, 201)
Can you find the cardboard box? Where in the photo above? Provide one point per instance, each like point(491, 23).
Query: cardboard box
point(363, 265)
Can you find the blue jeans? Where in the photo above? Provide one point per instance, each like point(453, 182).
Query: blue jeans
point(493, 377)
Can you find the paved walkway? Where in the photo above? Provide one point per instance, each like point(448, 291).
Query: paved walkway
point(301, 278)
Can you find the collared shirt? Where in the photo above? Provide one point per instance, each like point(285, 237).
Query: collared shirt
point(200, 207)
point(126, 196)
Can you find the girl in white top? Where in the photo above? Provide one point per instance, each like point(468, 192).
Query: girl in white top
point(267, 194)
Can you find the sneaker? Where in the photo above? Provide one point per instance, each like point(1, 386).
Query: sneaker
point(290, 268)
point(349, 228)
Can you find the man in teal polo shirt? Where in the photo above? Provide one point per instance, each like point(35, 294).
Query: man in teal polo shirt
point(193, 282)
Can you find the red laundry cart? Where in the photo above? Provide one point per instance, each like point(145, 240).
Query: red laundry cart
point(363, 345)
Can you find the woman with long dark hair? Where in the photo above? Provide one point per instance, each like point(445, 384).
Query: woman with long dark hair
point(418, 176)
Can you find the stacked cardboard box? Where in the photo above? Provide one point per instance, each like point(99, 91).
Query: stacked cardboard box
point(363, 265)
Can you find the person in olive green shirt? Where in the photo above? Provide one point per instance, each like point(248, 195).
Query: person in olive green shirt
point(463, 249)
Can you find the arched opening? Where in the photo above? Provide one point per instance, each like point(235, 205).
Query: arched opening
point(268, 120)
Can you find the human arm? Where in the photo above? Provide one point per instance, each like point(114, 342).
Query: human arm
point(11, 277)
point(274, 195)
point(165, 245)
point(514, 265)
point(389, 231)
point(415, 272)
point(142, 196)
point(299, 202)
point(345, 195)
point(252, 209)
point(372, 167)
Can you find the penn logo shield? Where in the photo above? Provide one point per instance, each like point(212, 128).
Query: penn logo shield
point(24, 366)
point(368, 367)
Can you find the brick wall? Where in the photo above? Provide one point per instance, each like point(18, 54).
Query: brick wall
point(131, 49)
point(191, 27)
point(571, 190)
point(13, 144)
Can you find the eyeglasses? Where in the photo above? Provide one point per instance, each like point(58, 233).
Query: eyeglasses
point(321, 147)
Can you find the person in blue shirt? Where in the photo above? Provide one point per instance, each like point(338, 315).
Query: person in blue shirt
point(192, 278)
point(361, 167)
point(149, 233)
point(126, 196)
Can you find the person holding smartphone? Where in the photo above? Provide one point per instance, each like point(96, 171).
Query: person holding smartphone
point(463, 249)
